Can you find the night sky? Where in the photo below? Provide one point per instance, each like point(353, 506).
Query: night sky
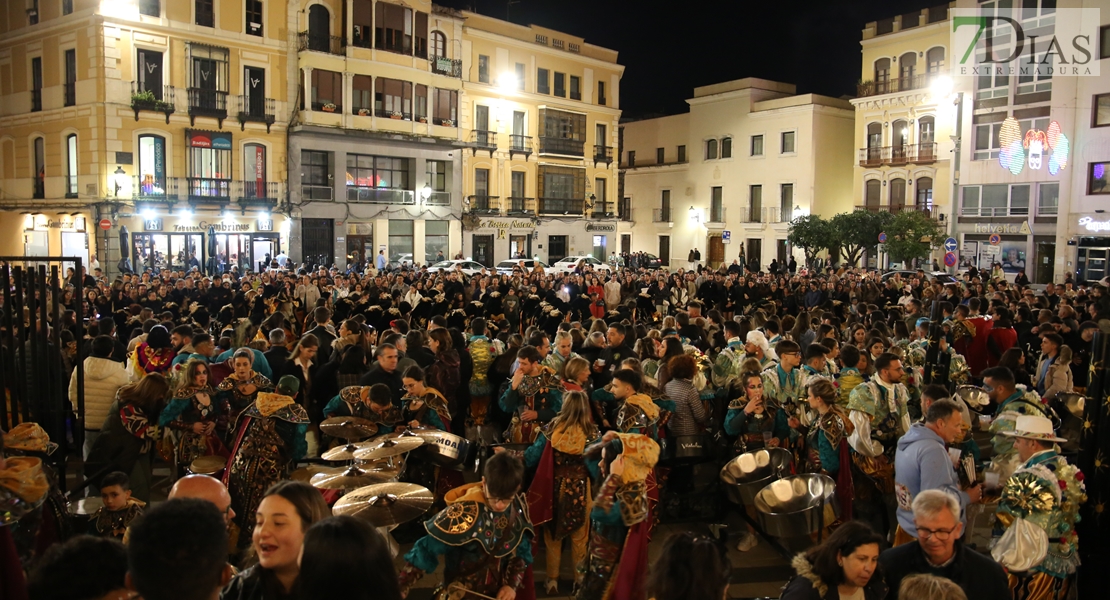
point(670, 48)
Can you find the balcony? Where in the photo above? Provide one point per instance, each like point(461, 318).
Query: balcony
point(603, 154)
point(716, 214)
point(892, 86)
point(444, 122)
point(258, 194)
point(520, 144)
point(601, 211)
point(317, 192)
point(207, 103)
point(518, 205)
point(483, 140)
point(994, 211)
point(561, 206)
point(328, 107)
point(660, 215)
point(39, 185)
point(756, 215)
point(148, 189)
point(899, 155)
point(450, 67)
point(873, 156)
point(483, 205)
point(921, 154)
point(373, 195)
point(256, 109)
point(316, 42)
point(897, 208)
point(36, 100)
point(157, 100)
point(70, 93)
point(439, 199)
point(563, 146)
point(208, 190)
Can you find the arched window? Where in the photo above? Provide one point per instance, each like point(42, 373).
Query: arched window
point(71, 165)
point(934, 60)
point(899, 141)
point(907, 64)
point(152, 166)
point(439, 44)
point(254, 171)
point(710, 149)
point(897, 195)
point(319, 28)
point(882, 76)
point(926, 136)
point(924, 198)
point(726, 147)
point(40, 168)
point(872, 190)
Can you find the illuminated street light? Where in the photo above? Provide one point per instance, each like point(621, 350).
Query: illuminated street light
point(119, 179)
point(426, 192)
point(506, 82)
point(941, 87)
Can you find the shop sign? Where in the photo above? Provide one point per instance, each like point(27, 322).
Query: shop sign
point(492, 224)
point(152, 225)
point(1090, 224)
point(201, 226)
point(1013, 228)
point(601, 227)
point(210, 139)
point(265, 225)
point(42, 223)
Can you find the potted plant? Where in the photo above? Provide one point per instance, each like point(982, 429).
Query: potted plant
point(143, 97)
point(448, 123)
point(422, 119)
point(364, 112)
point(396, 115)
point(329, 107)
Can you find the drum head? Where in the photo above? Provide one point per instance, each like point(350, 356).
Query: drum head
point(208, 465)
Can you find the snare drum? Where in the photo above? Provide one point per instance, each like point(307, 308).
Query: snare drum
point(442, 448)
point(208, 465)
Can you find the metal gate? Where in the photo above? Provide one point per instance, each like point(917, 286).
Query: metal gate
point(32, 371)
point(318, 241)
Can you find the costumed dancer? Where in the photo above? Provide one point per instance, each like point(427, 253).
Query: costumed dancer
point(423, 406)
point(484, 536)
point(119, 509)
point(195, 412)
point(1014, 402)
point(373, 403)
point(240, 388)
point(827, 448)
point(24, 488)
point(533, 398)
point(482, 352)
point(727, 365)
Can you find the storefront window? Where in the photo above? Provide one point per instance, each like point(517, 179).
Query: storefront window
point(1098, 176)
point(209, 164)
point(152, 165)
point(436, 237)
point(174, 251)
point(254, 171)
point(400, 240)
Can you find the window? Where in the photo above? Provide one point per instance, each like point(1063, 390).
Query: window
point(989, 86)
point(755, 203)
point(882, 76)
point(871, 193)
point(152, 165)
point(907, 66)
point(254, 17)
point(204, 13)
point(520, 77)
point(366, 173)
point(420, 42)
point(682, 154)
point(327, 89)
point(986, 141)
point(33, 13)
point(71, 77)
point(420, 102)
point(150, 8)
point(446, 108)
point(924, 189)
point(481, 200)
point(1097, 179)
point(726, 147)
point(926, 127)
point(436, 173)
point(660, 156)
point(665, 206)
point(254, 171)
point(208, 76)
point(601, 201)
point(575, 87)
point(710, 149)
point(996, 200)
point(209, 164)
point(1100, 115)
point(757, 145)
point(393, 28)
point(561, 85)
point(561, 190)
point(315, 175)
point(786, 202)
point(716, 205)
point(631, 158)
point(897, 194)
point(400, 238)
point(393, 98)
point(969, 203)
point(67, 7)
point(150, 72)
point(71, 165)
point(601, 93)
point(787, 142)
point(563, 132)
point(1104, 42)
point(439, 44)
point(36, 83)
point(436, 238)
point(362, 89)
point(362, 21)
point(1038, 77)
point(483, 68)
point(40, 169)
point(542, 82)
point(1048, 198)
point(934, 59)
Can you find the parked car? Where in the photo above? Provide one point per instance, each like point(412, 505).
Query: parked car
point(468, 266)
point(506, 267)
point(944, 278)
point(570, 264)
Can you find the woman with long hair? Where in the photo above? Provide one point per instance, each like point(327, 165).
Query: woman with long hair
point(346, 557)
point(129, 433)
point(302, 365)
point(155, 355)
point(444, 375)
point(194, 412)
point(559, 497)
point(827, 441)
point(670, 348)
point(843, 566)
point(423, 406)
point(577, 375)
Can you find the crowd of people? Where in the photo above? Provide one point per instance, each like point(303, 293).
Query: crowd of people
point(578, 385)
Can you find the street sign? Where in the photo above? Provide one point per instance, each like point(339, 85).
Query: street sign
point(950, 245)
point(950, 259)
point(882, 238)
point(996, 239)
point(726, 237)
point(105, 224)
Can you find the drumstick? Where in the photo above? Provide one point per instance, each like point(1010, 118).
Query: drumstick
point(469, 592)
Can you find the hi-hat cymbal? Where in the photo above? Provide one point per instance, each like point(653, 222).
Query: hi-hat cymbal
point(385, 503)
point(349, 478)
point(389, 447)
point(339, 453)
point(348, 428)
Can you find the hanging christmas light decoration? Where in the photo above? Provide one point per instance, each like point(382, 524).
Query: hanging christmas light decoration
point(1011, 154)
point(1099, 170)
point(1060, 148)
point(1013, 147)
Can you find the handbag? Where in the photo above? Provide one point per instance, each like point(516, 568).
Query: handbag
point(1022, 547)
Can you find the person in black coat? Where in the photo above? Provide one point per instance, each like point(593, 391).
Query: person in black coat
point(842, 565)
point(384, 371)
point(321, 316)
point(278, 354)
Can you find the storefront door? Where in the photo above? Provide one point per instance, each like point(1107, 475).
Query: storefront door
point(1046, 256)
point(599, 251)
point(360, 248)
point(174, 251)
point(1092, 263)
point(483, 250)
point(520, 246)
point(317, 239)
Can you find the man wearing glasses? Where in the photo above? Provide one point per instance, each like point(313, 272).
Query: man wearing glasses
point(939, 551)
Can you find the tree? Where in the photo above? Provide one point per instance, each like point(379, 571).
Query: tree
point(858, 231)
point(812, 234)
point(912, 234)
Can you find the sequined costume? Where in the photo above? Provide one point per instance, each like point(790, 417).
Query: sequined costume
point(1047, 492)
point(230, 391)
point(186, 409)
point(826, 439)
point(431, 413)
point(749, 429)
point(542, 393)
point(270, 436)
point(1021, 402)
point(114, 523)
point(482, 550)
point(726, 367)
point(24, 488)
point(846, 381)
point(880, 415)
point(354, 401)
point(782, 389)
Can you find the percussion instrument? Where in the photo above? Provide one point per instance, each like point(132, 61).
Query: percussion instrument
point(341, 453)
point(82, 510)
point(305, 474)
point(1068, 408)
point(208, 465)
point(349, 478)
point(686, 449)
point(748, 473)
point(797, 505)
point(442, 448)
point(974, 397)
point(385, 503)
point(390, 446)
point(348, 428)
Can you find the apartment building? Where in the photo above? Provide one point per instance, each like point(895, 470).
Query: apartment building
point(728, 176)
point(126, 111)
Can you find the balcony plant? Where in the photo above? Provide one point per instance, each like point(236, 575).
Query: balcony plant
point(364, 112)
point(422, 119)
point(865, 87)
point(146, 99)
point(396, 115)
point(448, 123)
point(329, 107)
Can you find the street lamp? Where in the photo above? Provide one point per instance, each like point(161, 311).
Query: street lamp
point(426, 192)
point(119, 179)
point(507, 82)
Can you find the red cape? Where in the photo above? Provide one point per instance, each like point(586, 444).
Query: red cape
point(541, 494)
point(631, 574)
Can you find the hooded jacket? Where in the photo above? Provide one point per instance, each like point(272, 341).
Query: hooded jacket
point(807, 585)
point(922, 463)
point(103, 378)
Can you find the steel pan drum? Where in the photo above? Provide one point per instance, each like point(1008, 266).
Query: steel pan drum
point(797, 505)
point(973, 396)
point(747, 474)
point(1068, 408)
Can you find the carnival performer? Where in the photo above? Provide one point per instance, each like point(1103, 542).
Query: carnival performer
point(371, 402)
point(637, 412)
point(1013, 401)
point(270, 436)
point(534, 397)
point(24, 488)
point(482, 353)
point(423, 406)
point(153, 355)
point(119, 509)
point(749, 417)
point(782, 383)
point(727, 365)
point(484, 536)
point(616, 562)
point(240, 388)
point(559, 497)
point(849, 377)
point(1037, 511)
point(756, 346)
point(195, 412)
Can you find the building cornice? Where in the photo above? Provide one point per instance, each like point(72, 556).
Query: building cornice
point(544, 50)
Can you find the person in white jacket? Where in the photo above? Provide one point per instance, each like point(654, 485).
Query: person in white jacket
point(103, 378)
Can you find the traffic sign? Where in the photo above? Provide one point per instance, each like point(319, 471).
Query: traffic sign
point(950, 245)
point(882, 238)
point(996, 239)
point(950, 259)
point(105, 224)
point(726, 237)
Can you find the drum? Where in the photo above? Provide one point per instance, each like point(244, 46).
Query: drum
point(442, 448)
point(797, 505)
point(686, 449)
point(975, 398)
point(747, 474)
point(82, 510)
point(208, 465)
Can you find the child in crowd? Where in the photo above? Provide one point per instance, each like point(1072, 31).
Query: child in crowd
point(119, 510)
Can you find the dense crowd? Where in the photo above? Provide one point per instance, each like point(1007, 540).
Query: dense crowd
point(577, 389)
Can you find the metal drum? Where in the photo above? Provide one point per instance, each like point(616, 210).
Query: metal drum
point(208, 465)
point(797, 505)
point(747, 474)
point(442, 448)
point(1069, 409)
point(82, 510)
point(976, 398)
point(686, 449)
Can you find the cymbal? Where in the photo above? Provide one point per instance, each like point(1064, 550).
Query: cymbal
point(340, 453)
point(207, 465)
point(385, 503)
point(348, 428)
point(305, 473)
point(389, 447)
point(349, 478)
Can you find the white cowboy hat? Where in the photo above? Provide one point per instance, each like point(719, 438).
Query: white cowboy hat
point(1034, 428)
